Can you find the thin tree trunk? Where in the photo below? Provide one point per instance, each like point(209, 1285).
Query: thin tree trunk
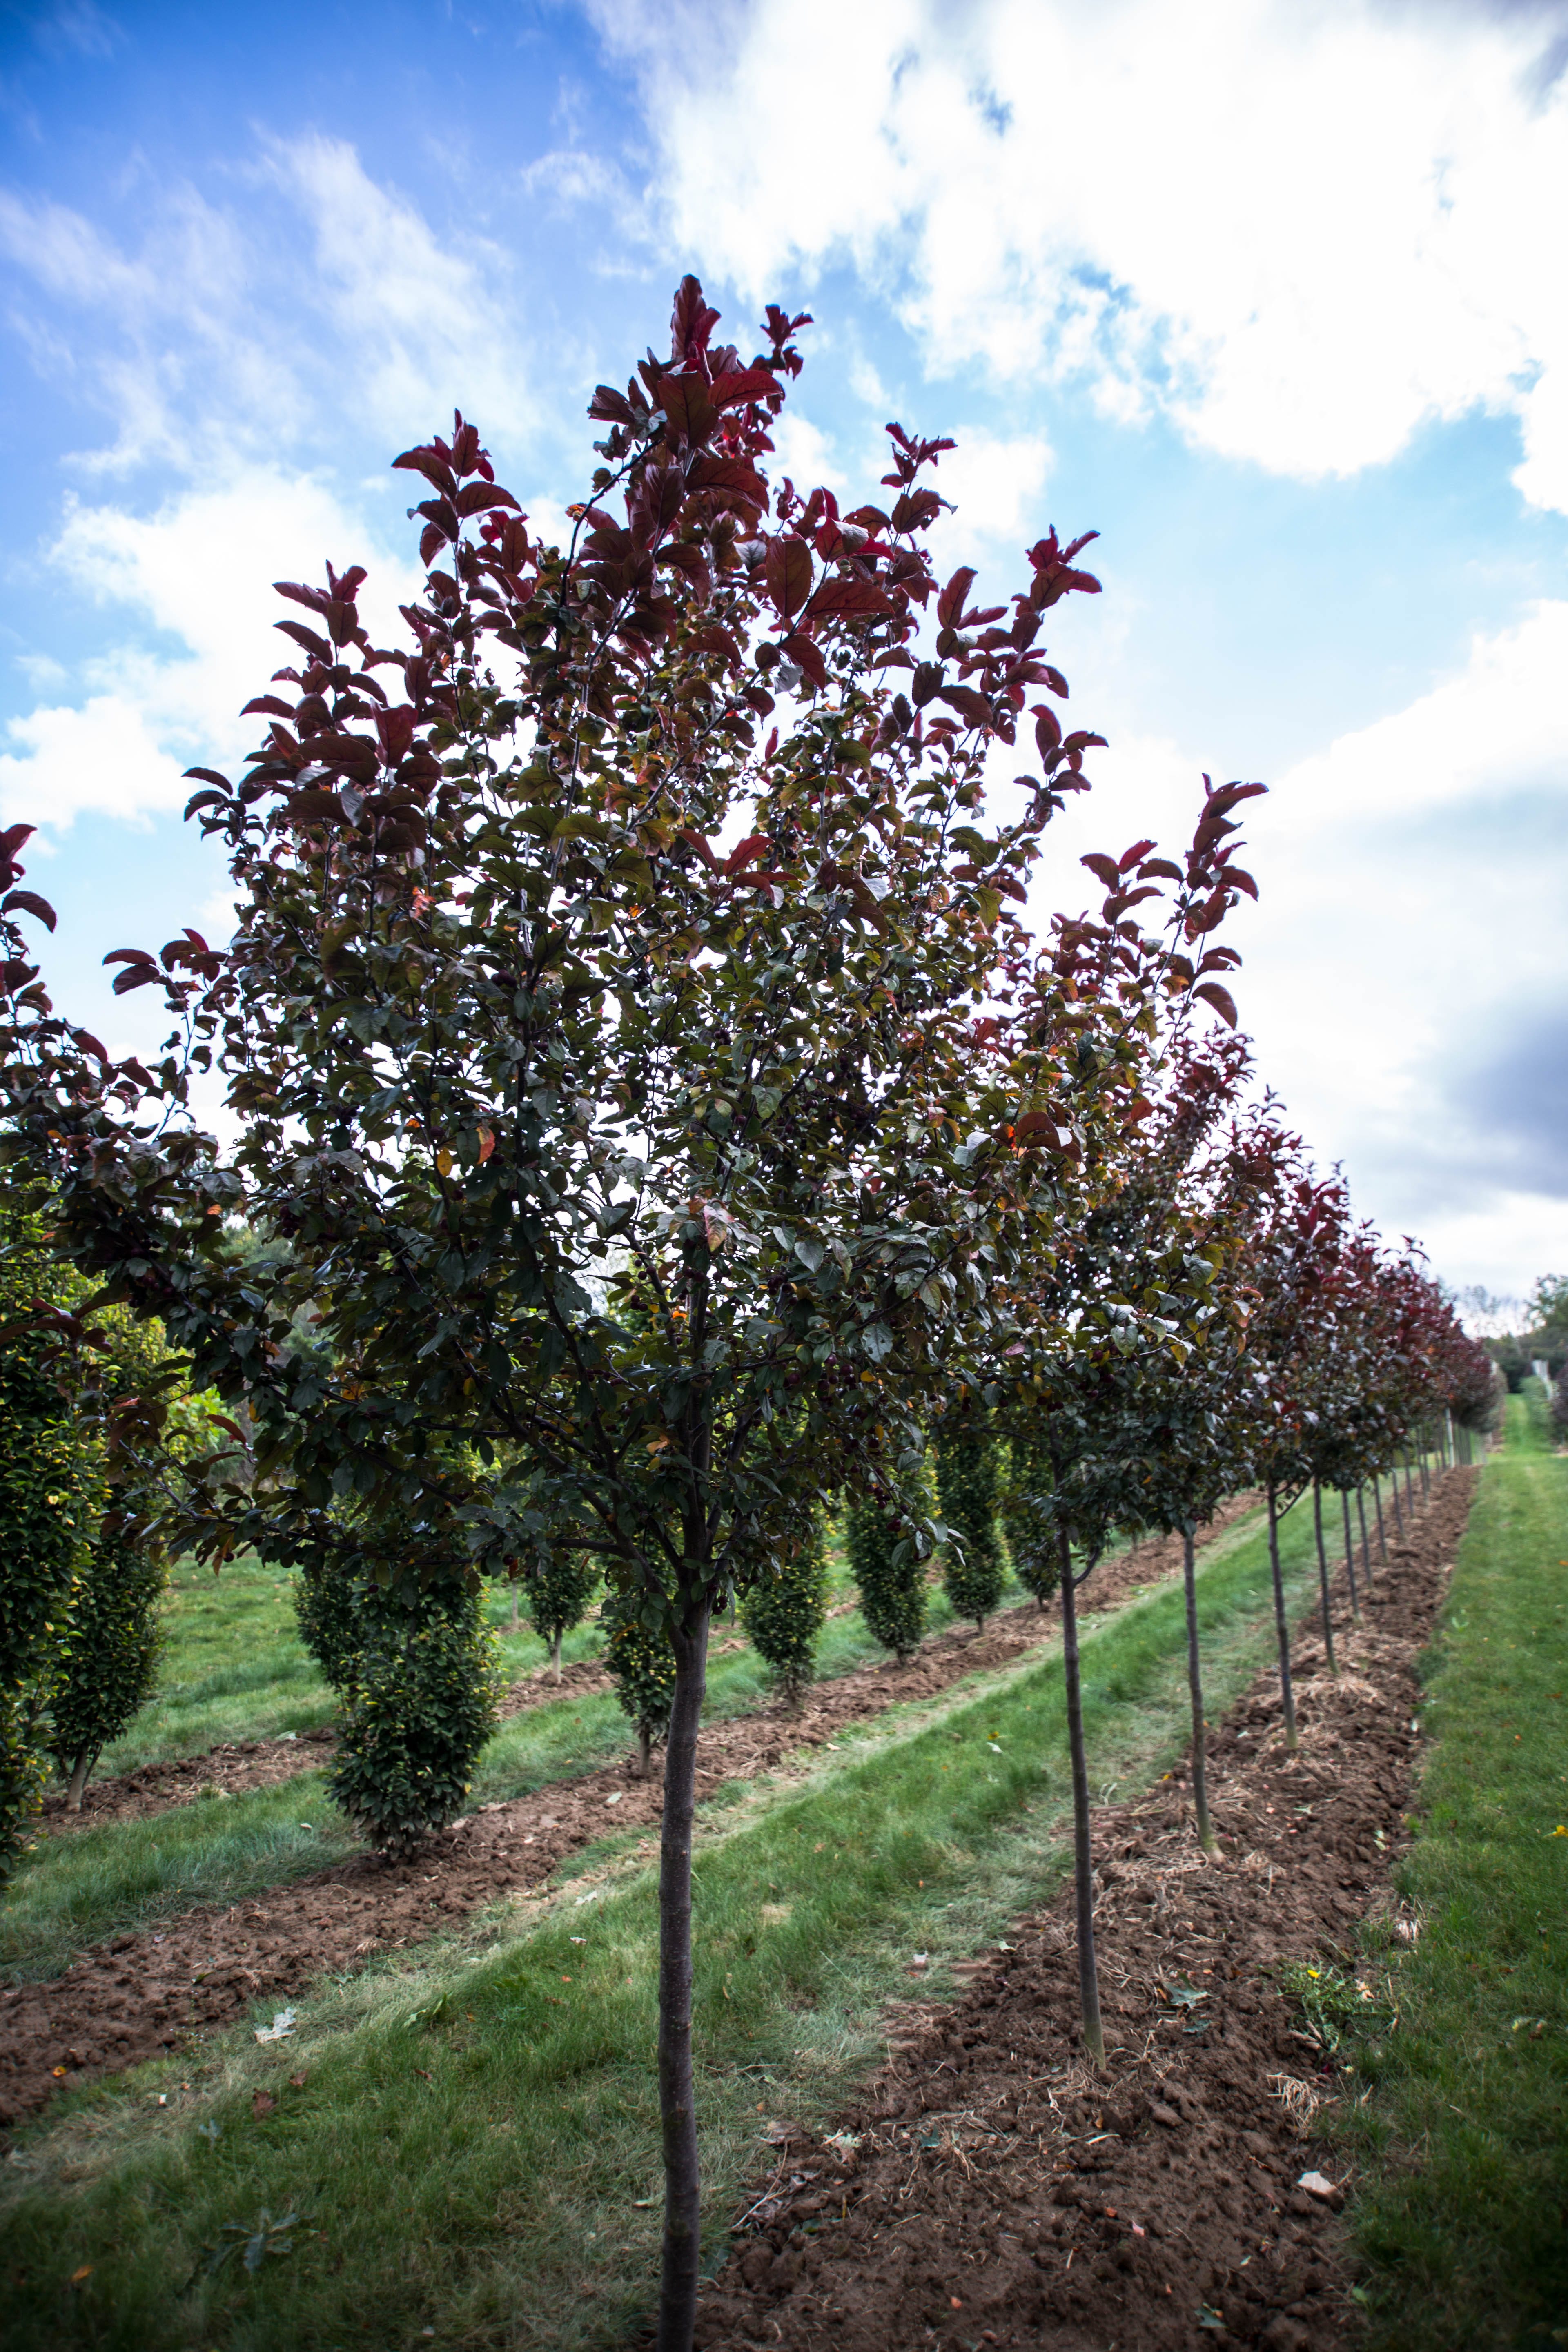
point(1083, 1858)
point(1282, 1624)
point(1381, 1538)
point(1409, 1479)
point(1426, 1465)
point(1207, 1837)
point(1393, 1490)
point(1365, 1548)
point(514, 1608)
point(1349, 1556)
point(645, 1751)
point(1323, 1575)
point(555, 1656)
point(677, 2097)
point(79, 1778)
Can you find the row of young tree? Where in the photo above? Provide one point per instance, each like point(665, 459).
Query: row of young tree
point(654, 1113)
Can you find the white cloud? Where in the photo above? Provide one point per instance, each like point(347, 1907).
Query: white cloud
point(428, 324)
point(1405, 969)
point(211, 339)
point(995, 482)
point(1300, 232)
point(190, 588)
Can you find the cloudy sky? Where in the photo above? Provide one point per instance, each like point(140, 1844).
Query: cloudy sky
point(1271, 295)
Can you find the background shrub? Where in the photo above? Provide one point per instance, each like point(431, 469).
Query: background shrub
point(968, 1472)
point(1027, 1516)
point(643, 1664)
point(559, 1587)
point(889, 1574)
point(51, 1501)
point(115, 1638)
point(419, 1696)
point(784, 1610)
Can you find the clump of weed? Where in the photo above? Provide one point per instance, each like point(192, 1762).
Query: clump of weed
point(1336, 2004)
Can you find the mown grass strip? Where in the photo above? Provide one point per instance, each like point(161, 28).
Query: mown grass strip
point(472, 2145)
point(1463, 2224)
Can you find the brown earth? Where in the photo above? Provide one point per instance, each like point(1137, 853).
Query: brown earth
point(243, 1764)
point(140, 1995)
point(235, 1766)
point(992, 2187)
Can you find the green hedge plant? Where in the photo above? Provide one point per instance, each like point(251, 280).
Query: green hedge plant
point(784, 1611)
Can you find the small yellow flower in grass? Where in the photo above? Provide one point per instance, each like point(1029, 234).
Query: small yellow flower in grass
point(1561, 1831)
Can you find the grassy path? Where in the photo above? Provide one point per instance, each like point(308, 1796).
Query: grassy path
point(472, 2142)
point(1464, 2229)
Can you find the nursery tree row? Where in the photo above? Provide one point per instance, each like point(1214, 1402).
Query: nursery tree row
point(659, 1106)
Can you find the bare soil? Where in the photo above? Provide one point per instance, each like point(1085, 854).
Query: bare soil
point(142, 1994)
point(237, 1766)
point(242, 1764)
point(992, 2187)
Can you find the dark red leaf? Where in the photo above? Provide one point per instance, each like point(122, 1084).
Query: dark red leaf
point(842, 599)
point(306, 638)
point(802, 650)
point(1222, 1000)
point(787, 575)
point(481, 496)
point(968, 704)
point(30, 903)
point(950, 604)
point(742, 384)
point(690, 414)
point(432, 465)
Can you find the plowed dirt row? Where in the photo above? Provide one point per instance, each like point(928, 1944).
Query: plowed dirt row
point(994, 2189)
point(142, 1994)
point(239, 1765)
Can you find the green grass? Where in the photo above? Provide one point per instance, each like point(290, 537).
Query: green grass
point(477, 2130)
point(1463, 2226)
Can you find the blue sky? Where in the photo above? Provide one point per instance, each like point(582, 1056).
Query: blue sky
point(1270, 295)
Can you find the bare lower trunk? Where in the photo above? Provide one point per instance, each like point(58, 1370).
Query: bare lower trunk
point(1409, 1480)
point(555, 1656)
point(1365, 1548)
point(682, 2185)
point(1425, 1465)
point(645, 1751)
point(79, 1778)
point(1206, 1838)
point(514, 1608)
point(1281, 1623)
point(1350, 1555)
point(1323, 1574)
point(1083, 1856)
point(1398, 1512)
point(1381, 1538)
